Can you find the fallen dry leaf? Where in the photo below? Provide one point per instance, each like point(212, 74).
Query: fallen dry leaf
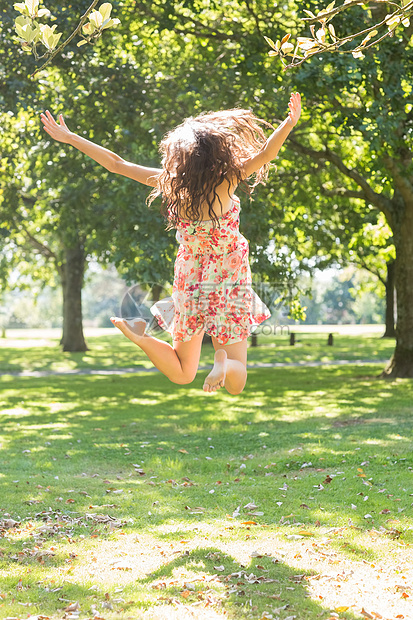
point(7, 524)
point(73, 607)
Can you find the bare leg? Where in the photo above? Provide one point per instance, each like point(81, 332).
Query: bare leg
point(179, 363)
point(230, 367)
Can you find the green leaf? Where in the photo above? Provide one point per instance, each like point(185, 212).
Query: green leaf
point(23, 27)
point(304, 43)
point(43, 13)
point(309, 13)
point(105, 11)
point(32, 6)
point(392, 21)
point(367, 38)
point(22, 20)
point(88, 28)
point(270, 42)
point(109, 23)
point(286, 48)
point(96, 19)
point(49, 38)
point(35, 34)
point(56, 39)
point(83, 42)
point(321, 35)
point(21, 7)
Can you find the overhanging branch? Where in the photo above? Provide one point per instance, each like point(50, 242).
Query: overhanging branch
point(377, 200)
point(69, 38)
point(342, 191)
point(43, 249)
point(401, 180)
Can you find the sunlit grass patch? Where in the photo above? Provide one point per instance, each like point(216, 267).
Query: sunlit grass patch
point(114, 351)
point(128, 492)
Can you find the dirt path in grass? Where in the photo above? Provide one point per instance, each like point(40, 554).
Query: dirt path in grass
point(379, 589)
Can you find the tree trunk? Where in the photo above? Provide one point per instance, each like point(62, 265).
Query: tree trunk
point(401, 364)
point(156, 291)
point(390, 331)
point(72, 272)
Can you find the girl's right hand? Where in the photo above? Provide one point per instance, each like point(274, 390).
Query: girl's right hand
point(295, 109)
point(61, 133)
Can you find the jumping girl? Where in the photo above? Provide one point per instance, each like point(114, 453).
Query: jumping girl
point(204, 161)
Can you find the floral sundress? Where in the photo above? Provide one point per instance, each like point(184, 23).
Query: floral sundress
point(212, 289)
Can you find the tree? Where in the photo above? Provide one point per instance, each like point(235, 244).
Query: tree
point(372, 249)
point(364, 128)
point(126, 85)
point(61, 207)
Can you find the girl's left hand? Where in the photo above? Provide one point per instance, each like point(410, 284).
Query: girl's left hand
point(295, 108)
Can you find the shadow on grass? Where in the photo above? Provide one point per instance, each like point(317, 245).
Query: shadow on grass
point(141, 448)
point(78, 427)
point(108, 352)
point(204, 579)
point(265, 583)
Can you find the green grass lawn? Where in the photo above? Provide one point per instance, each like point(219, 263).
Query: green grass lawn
point(114, 351)
point(129, 497)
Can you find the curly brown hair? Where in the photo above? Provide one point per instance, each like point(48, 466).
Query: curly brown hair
point(202, 153)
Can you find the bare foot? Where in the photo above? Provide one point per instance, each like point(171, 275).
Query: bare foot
point(134, 329)
point(216, 378)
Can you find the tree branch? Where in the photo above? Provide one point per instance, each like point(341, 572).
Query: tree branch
point(344, 7)
point(377, 200)
point(254, 17)
point(221, 36)
point(320, 45)
point(343, 191)
point(44, 250)
point(402, 182)
point(361, 262)
point(204, 29)
point(72, 36)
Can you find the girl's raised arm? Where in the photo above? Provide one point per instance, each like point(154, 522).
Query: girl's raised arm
point(276, 140)
point(104, 157)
